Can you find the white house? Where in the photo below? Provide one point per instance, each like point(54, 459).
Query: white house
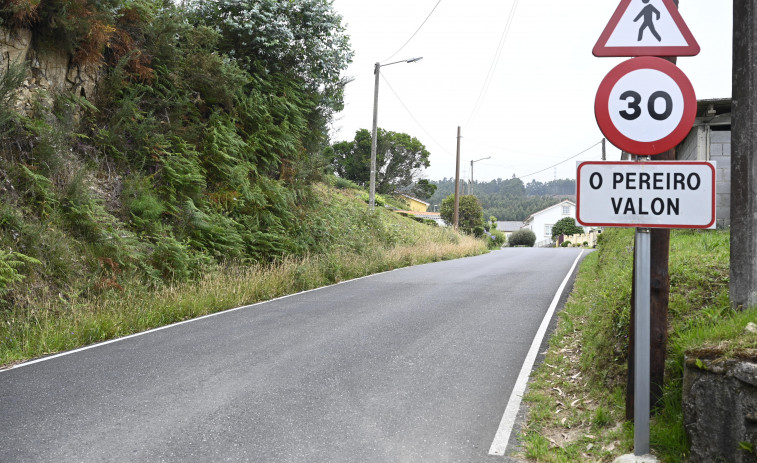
point(541, 222)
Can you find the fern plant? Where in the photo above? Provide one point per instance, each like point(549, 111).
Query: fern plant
point(10, 263)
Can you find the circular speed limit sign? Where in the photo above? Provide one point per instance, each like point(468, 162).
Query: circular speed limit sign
point(645, 106)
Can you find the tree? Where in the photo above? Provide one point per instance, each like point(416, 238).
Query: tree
point(566, 226)
point(470, 212)
point(400, 159)
point(423, 189)
point(294, 40)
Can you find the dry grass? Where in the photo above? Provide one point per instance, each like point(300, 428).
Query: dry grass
point(62, 325)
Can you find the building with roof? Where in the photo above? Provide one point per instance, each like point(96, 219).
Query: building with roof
point(508, 227)
point(415, 204)
point(541, 222)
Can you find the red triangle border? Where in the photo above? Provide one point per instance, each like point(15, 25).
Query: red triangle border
point(600, 50)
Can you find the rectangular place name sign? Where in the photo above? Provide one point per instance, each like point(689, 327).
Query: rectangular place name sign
point(666, 194)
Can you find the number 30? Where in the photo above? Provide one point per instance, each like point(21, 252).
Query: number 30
point(635, 112)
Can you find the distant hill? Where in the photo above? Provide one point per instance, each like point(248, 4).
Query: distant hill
point(510, 199)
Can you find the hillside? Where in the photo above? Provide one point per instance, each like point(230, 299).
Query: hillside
point(148, 147)
point(510, 199)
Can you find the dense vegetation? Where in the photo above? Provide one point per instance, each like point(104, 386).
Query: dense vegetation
point(585, 369)
point(511, 199)
point(204, 150)
point(400, 159)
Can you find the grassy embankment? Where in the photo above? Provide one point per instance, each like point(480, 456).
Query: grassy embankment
point(576, 397)
point(368, 242)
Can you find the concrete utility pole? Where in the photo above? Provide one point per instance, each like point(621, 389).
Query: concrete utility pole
point(372, 189)
point(743, 283)
point(374, 131)
point(457, 182)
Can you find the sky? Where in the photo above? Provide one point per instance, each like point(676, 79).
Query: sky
point(527, 101)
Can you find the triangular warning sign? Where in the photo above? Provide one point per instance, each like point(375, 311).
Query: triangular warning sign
point(646, 28)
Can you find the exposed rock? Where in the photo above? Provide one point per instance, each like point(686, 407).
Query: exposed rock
point(720, 407)
point(50, 71)
point(751, 327)
point(14, 46)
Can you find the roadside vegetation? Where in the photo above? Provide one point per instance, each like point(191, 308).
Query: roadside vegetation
point(359, 242)
point(576, 397)
point(195, 178)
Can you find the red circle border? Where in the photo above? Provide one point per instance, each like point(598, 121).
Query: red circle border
point(640, 148)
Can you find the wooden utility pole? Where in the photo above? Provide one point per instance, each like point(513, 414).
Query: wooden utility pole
point(659, 281)
point(743, 280)
point(457, 182)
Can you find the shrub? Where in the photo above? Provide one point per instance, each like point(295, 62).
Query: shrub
point(565, 244)
point(344, 184)
point(497, 239)
point(522, 238)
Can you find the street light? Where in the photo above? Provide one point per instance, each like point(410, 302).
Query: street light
point(471, 172)
point(377, 73)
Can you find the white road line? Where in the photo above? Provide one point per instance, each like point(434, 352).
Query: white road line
point(501, 438)
point(105, 343)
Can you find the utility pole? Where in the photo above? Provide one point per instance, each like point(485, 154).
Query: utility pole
point(659, 297)
point(374, 132)
point(372, 189)
point(457, 182)
point(743, 282)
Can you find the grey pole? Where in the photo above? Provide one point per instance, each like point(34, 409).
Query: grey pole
point(377, 73)
point(456, 216)
point(642, 342)
point(372, 193)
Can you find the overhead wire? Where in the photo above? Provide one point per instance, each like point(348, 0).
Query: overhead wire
point(561, 162)
point(414, 33)
point(413, 117)
point(494, 63)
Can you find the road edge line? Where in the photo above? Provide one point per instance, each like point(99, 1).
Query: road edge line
point(172, 325)
point(502, 437)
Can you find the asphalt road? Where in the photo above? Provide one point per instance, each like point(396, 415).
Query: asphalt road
point(414, 365)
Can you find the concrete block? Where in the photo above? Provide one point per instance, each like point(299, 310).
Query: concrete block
point(720, 136)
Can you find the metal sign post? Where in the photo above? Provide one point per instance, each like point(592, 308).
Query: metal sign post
point(645, 106)
point(642, 336)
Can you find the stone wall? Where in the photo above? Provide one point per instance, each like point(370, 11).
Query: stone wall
point(720, 408)
point(50, 71)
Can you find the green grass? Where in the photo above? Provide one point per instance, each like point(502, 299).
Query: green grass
point(586, 361)
point(61, 323)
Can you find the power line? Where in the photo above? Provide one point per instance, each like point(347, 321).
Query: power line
point(495, 62)
point(561, 162)
point(414, 33)
point(413, 117)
